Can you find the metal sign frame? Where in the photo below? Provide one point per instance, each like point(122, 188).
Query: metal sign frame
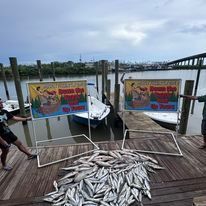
point(56, 139)
point(57, 161)
point(172, 135)
point(154, 152)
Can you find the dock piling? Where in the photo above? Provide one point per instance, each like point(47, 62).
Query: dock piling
point(199, 63)
point(186, 107)
point(4, 79)
point(103, 79)
point(116, 88)
point(17, 81)
point(97, 72)
point(53, 71)
point(39, 69)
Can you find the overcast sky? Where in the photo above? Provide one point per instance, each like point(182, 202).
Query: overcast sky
point(130, 30)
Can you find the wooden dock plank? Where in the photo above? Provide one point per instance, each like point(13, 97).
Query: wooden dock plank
point(182, 179)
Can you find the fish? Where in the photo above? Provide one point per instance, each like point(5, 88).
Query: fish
point(106, 178)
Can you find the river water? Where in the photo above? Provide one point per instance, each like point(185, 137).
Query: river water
point(64, 126)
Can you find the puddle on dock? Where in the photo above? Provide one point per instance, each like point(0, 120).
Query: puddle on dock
point(64, 126)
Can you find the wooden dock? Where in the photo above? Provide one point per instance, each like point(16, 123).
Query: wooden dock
point(135, 120)
point(182, 179)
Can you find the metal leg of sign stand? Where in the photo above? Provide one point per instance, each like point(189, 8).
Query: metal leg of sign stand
point(145, 131)
point(57, 161)
point(35, 138)
point(154, 152)
point(123, 117)
point(50, 163)
point(89, 128)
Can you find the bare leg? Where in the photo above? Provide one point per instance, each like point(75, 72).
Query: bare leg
point(21, 147)
point(4, 156)
point(204, 139)
point(203, 146)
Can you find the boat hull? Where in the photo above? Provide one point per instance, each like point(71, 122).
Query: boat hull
point(166, 125)
point(166, 120)
point(17, 111)
point(12, 106)
point(84, 121)
point(98, 111)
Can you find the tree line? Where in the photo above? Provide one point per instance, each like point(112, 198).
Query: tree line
point(60, 68)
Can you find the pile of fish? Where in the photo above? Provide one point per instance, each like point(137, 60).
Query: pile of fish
point(107, 178)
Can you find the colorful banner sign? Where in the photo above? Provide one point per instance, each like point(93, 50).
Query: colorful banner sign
point(57, 98)
point(152, 95)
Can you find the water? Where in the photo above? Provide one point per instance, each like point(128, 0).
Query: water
point(64, 126)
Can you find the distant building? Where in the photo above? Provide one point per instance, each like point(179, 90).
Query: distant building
point(89, 64)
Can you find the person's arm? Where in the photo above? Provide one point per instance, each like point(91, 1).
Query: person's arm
point(16, 118)
point(189, 97)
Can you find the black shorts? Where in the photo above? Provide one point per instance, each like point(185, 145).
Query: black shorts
point(203, 127)
point(9, 138)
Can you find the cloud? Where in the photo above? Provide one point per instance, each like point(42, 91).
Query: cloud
point(196, 28)
point(126, 29)
point(135, 32)
point(135, 37)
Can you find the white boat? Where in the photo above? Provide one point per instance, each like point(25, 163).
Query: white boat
point(165, 119)
point(98, 111)
point(13, 106)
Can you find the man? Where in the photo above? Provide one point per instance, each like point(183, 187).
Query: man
point(203, 126)
point(7, 137)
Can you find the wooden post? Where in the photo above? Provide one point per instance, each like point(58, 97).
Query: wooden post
point(116, 98)
point(17, 81)
point(103, 78)
point(4, 79)
point(48, 128)
point(117, 88)
point(106, 77)
point(108, 90)
point(53, 71)
point(27, 135)
point(200, 61)
point(116, 71)
point(97, 72)
point(186, 107)
point(39, 69)
point(41, 79)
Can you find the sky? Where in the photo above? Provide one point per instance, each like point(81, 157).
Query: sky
point(128, 30)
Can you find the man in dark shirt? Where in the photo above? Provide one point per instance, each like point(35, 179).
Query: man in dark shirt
point(203, 126)
point(7, 137)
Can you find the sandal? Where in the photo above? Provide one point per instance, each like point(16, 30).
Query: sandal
point(32, 156)
point(8, 168)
